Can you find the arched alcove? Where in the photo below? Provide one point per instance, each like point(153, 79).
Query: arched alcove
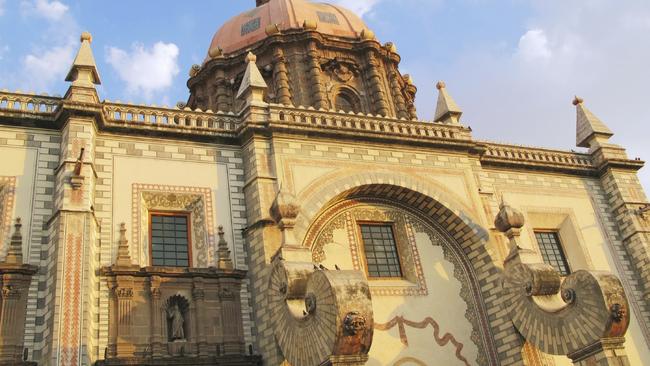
point(463, 238)
point(347, 100)
point(183, 305)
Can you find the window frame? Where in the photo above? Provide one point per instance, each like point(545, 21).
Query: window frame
point(560, 243)
point(364, 257)
point(188, 216)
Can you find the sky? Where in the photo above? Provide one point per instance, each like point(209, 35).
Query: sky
point(513, 66)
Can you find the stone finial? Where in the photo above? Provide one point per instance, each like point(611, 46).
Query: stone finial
point(588, 126)
point(123, 255)
point(253, 84)
point(577, 100)
point(86, 36)
point(367, 34)
point(447, 111)
point(284, 211)
point(223, 253)
point(215, 52)
point(84, 69)
point(510, 221)
point(508, 218)
point(194, 70)
point(15, 253)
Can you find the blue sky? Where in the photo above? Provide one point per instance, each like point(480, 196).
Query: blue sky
point(512, 65)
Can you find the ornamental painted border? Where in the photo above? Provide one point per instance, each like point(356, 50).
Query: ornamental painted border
point(203, 237)
point(7, 199)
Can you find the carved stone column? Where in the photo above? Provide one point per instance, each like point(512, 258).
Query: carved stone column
point(315, 77)
point(411, 90)
point(281, 77)
point(124, 346)
point(198, 295)
point(156, 318)
point(231, 317)
point(222, 96)
point(14, 281)
point(396, 88)
point(377, 94)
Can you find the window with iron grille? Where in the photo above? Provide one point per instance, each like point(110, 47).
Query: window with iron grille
point(170, 240)
point(382, 257)
point(552, 252)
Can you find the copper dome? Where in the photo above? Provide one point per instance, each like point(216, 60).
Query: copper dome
point(280, 15)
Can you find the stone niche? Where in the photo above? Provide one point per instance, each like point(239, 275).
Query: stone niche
point(175, 316)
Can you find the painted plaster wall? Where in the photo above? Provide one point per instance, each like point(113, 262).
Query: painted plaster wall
point(572, 207)
point(125, 165)
point(577, 206)
point(31, 157)
point(440, 306)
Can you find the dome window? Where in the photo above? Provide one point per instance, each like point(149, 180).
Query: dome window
point(347, 101)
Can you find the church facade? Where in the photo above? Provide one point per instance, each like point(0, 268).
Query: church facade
point(295, 211)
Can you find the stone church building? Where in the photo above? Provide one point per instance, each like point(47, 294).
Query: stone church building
point(295, 211)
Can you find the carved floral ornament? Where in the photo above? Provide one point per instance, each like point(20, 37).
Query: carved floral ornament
point(343, 70)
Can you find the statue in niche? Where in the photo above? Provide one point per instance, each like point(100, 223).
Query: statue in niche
point(176, 322)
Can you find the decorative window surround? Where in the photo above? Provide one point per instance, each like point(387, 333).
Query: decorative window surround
point(413, 282)
point(194, 200)
point(7, 198)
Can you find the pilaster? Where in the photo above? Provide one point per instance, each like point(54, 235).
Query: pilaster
point(625, 194)
point(74, 226)
point(315, 77)
point(378, 97)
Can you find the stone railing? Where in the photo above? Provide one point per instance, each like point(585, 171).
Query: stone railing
point(151, 116)
point(534, 155)
point(310, 117)
point(29, 103)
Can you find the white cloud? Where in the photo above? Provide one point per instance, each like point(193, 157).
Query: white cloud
point(146, 70)
point(2, 7)
point(360, 7)
point(51, 10)
point(521, 92)
point(533, 45)
point(43, 68)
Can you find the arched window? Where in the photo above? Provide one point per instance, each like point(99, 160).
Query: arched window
point(347, 101)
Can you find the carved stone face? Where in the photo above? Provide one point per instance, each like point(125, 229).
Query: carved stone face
point(310, 303)
point(618, 312)
point(354, 323)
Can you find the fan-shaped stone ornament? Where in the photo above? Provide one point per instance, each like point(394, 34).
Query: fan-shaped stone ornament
point(320, 317)
point(593, 307)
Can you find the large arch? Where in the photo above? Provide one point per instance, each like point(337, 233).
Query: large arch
point(468, 238)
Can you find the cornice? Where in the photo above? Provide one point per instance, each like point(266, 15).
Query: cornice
point(273, 119)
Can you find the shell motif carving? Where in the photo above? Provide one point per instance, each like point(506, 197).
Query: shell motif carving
point(323, 313)
point(595, 306)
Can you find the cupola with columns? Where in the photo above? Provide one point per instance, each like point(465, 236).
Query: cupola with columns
point(310, 54)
